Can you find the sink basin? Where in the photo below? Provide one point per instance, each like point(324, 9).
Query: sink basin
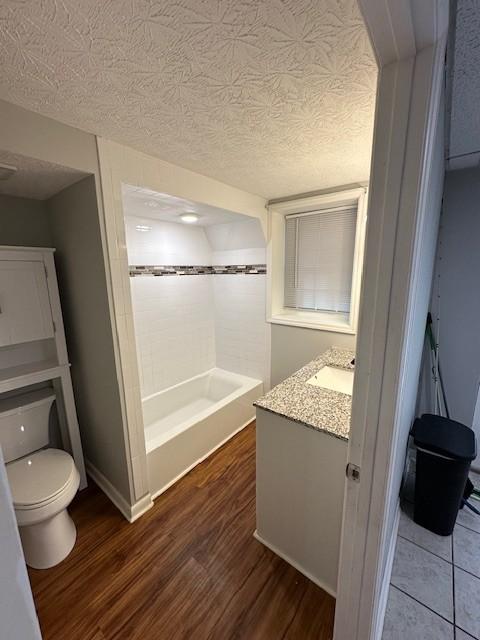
point(334, 379)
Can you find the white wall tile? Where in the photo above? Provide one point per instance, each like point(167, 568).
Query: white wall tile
point(239, 256)
point(174, 328)
point(185, 325)
point(240, 327)
point(166, 243)
point(231, 236)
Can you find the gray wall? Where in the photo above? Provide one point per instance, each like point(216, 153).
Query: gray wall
point(456, 293)
point(24, 222)
point(35, 136)
point(83, 291)
point(293, 347)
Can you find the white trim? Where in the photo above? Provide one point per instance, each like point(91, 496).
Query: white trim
point(318, 202)
point(295, 319)
point(6, 247)
point(140, 507)
point(385, 588)
point(200, 460)
point(277, 313)
point(400, 28)
point(130, 513)
point(294, 564)
point(405, 123)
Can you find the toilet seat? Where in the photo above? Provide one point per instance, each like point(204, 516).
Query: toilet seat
point(42, 484)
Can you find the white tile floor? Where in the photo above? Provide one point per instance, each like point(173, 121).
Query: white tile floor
point(435, 584)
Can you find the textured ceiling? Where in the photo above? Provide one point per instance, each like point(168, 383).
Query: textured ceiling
point(465, 86)
point(161, 206)
point(272, 96)
point(36, 179)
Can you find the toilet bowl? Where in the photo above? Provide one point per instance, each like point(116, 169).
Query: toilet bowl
point(43, 484)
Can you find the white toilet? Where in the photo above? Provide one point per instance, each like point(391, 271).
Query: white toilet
point(43, 481)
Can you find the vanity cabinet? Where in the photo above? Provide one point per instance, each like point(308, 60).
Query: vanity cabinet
point(300, 489)
point(25, 312)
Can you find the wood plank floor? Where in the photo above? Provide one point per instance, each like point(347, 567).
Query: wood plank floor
point(188, 569)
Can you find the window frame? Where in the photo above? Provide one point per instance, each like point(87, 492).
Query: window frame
point(277, 312)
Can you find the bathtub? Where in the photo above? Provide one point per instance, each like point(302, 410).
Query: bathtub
point(185, 423)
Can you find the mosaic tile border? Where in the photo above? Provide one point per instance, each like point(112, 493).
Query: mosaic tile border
point(185, 270)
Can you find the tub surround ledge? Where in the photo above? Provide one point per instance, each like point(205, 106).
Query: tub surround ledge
point(314, 407)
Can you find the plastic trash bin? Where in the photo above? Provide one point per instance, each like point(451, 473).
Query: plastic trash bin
point(445, 450)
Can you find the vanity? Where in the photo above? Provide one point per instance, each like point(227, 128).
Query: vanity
point(303, 426)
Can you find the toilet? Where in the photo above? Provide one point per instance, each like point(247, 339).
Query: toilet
point(43, 481)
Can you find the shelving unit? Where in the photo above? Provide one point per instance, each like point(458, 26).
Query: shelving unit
point(31, 323)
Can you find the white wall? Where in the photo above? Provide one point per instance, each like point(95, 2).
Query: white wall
point(36, 136)
point(18, 619)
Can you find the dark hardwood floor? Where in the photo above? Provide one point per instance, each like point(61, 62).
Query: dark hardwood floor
point(188, 569)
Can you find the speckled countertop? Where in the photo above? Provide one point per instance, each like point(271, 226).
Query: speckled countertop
point(317, 408)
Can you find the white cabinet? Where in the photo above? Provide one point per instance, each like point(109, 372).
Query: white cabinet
point(300, 485)
point(25, 313)
point(33, 348)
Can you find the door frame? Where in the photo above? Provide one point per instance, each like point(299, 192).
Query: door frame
point(407, 111)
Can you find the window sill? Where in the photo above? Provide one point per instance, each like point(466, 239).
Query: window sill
point(334, 322)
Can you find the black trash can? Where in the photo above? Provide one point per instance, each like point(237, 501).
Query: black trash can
point(445, 450)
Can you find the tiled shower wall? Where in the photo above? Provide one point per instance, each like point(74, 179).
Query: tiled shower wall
point(174, 328)
point(187, 324)
point(240, 327)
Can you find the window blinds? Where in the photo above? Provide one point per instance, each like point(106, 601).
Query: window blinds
point(319, 248)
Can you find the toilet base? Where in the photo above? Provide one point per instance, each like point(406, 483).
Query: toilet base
point(47, 543)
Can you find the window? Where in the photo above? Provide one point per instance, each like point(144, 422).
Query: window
point(319, 248)
point(316, 260)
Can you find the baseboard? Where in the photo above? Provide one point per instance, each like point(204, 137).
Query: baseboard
point(192, 466)
point(140, 507)
point(294, 564)
point(130, 512)
point(385, 586)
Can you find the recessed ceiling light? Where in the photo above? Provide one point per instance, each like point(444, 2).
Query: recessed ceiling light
point(143, 227)
point(189, 217)
point(153, 204)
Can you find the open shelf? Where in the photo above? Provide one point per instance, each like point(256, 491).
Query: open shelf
point(26, 374)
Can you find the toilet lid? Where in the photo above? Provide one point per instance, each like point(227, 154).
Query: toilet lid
point(39, 476)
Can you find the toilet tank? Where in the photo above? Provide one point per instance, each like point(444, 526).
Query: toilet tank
point(24, 423)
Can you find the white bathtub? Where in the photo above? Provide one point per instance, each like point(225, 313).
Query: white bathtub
point(187, 422)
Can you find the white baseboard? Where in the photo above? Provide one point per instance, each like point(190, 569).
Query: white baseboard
point(192, 466)
point(385, 587)
point(130, 512)
point(294, 564)
point(140, 507)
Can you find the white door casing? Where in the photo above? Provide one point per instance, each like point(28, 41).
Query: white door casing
point(392, 312)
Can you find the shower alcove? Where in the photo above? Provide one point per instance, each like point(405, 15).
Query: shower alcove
point(198, 286)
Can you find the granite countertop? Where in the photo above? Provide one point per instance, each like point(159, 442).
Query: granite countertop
point(320, 409)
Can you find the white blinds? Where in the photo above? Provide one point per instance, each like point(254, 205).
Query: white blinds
point(319, 248)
